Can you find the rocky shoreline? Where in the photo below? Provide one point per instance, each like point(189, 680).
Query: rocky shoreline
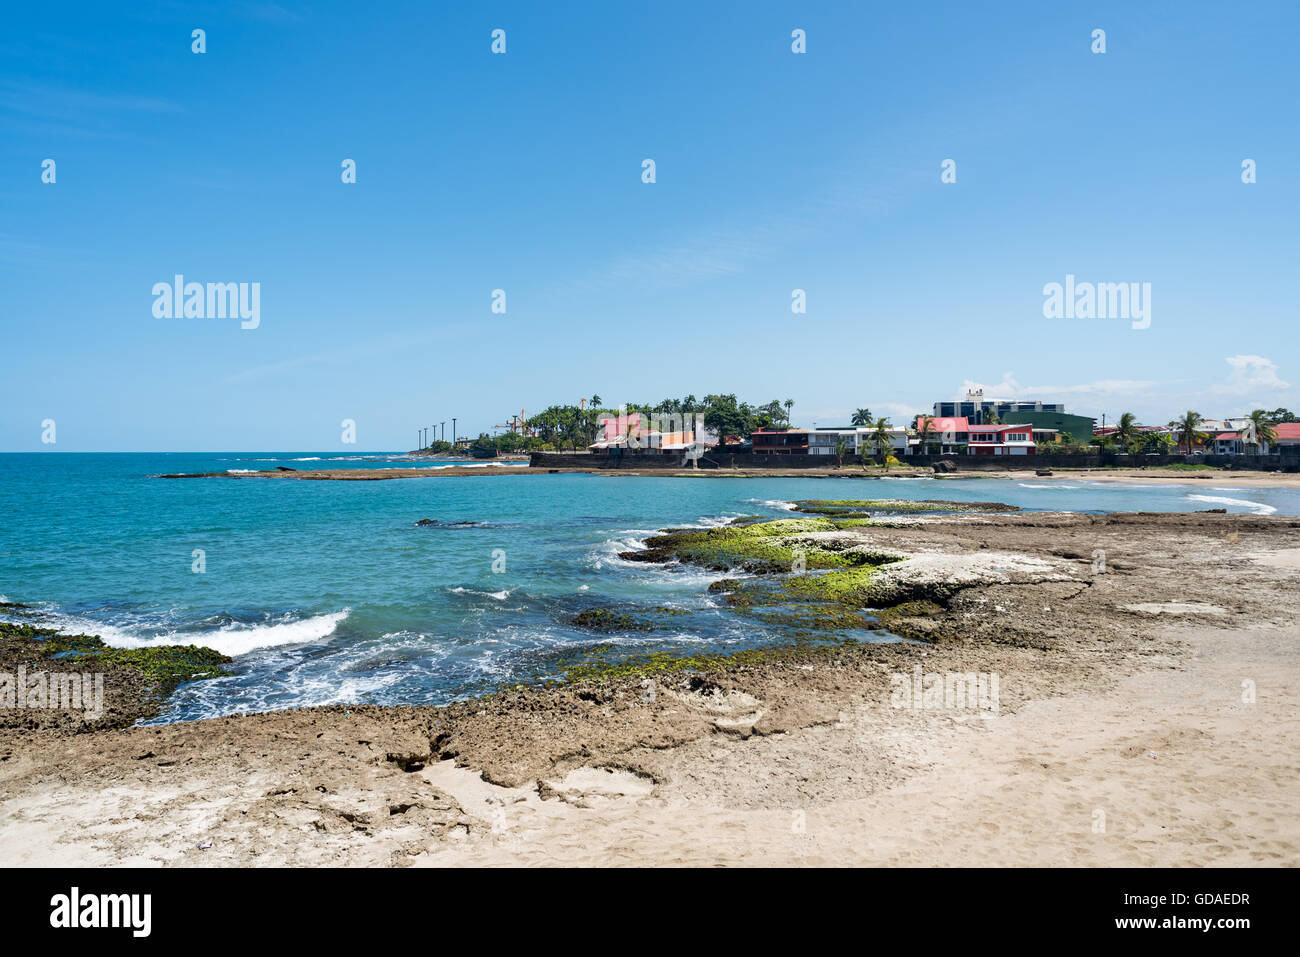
point(660, 759)
point(1153, 475)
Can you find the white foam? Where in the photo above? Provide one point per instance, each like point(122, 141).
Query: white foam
point(234, 639)
point(498, 595)
point(1259, 508)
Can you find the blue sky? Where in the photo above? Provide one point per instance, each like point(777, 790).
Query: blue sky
point(522, 172)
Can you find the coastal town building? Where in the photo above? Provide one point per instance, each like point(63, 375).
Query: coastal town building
point(947, 434)
point(635, 432)
point(824, 440)
point(978, 410)
point(1235, 435)
point(1001, 440)
point(1288, 435)
point(975, 408)
point(780, 441)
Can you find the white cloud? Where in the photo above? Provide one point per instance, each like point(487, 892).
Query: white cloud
point(1248, 374)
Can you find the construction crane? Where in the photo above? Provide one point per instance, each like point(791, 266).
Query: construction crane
point(517, 423)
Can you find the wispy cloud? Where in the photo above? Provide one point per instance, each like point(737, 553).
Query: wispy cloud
point(715, 253)
point(1250, 374)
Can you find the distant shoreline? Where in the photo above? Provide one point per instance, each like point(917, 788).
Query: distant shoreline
point(1154, 476)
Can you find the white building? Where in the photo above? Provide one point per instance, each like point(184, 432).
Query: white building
point(822, 441)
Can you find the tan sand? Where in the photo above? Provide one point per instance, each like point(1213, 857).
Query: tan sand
point(1169, 768)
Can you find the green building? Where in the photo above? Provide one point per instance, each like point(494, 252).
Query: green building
point(1079, 426)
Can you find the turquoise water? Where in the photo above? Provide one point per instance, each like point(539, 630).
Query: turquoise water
point(328, 592)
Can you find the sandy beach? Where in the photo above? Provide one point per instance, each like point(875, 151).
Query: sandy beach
point(1146, 714)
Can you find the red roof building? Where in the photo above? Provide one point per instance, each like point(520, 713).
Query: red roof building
point(950, 425)
point(1288, 433)
point(1015, 439)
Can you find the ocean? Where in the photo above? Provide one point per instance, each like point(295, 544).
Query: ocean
point(329, 592)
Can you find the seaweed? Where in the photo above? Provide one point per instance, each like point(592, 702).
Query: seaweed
point(164, 666)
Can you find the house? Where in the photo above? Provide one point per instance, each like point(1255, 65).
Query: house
point(1001, 440)
point(947, 434)
point(636, 432)
point(779, 441)
point(823, 440)
point(1228, 443)
point(1288, 435)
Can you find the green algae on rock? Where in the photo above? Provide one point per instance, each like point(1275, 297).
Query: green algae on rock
point(596, 664)
point(164, 666)
point(606, 619)
point(760, 548)
point(136, 681)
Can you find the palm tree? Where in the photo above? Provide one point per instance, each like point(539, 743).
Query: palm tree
point(841, 447)
point(1187, 427)
point(1126, 431)
point(923, 432)
point(862, 417)
point(789, 407)
point(882, 440)
point(1265, 434)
